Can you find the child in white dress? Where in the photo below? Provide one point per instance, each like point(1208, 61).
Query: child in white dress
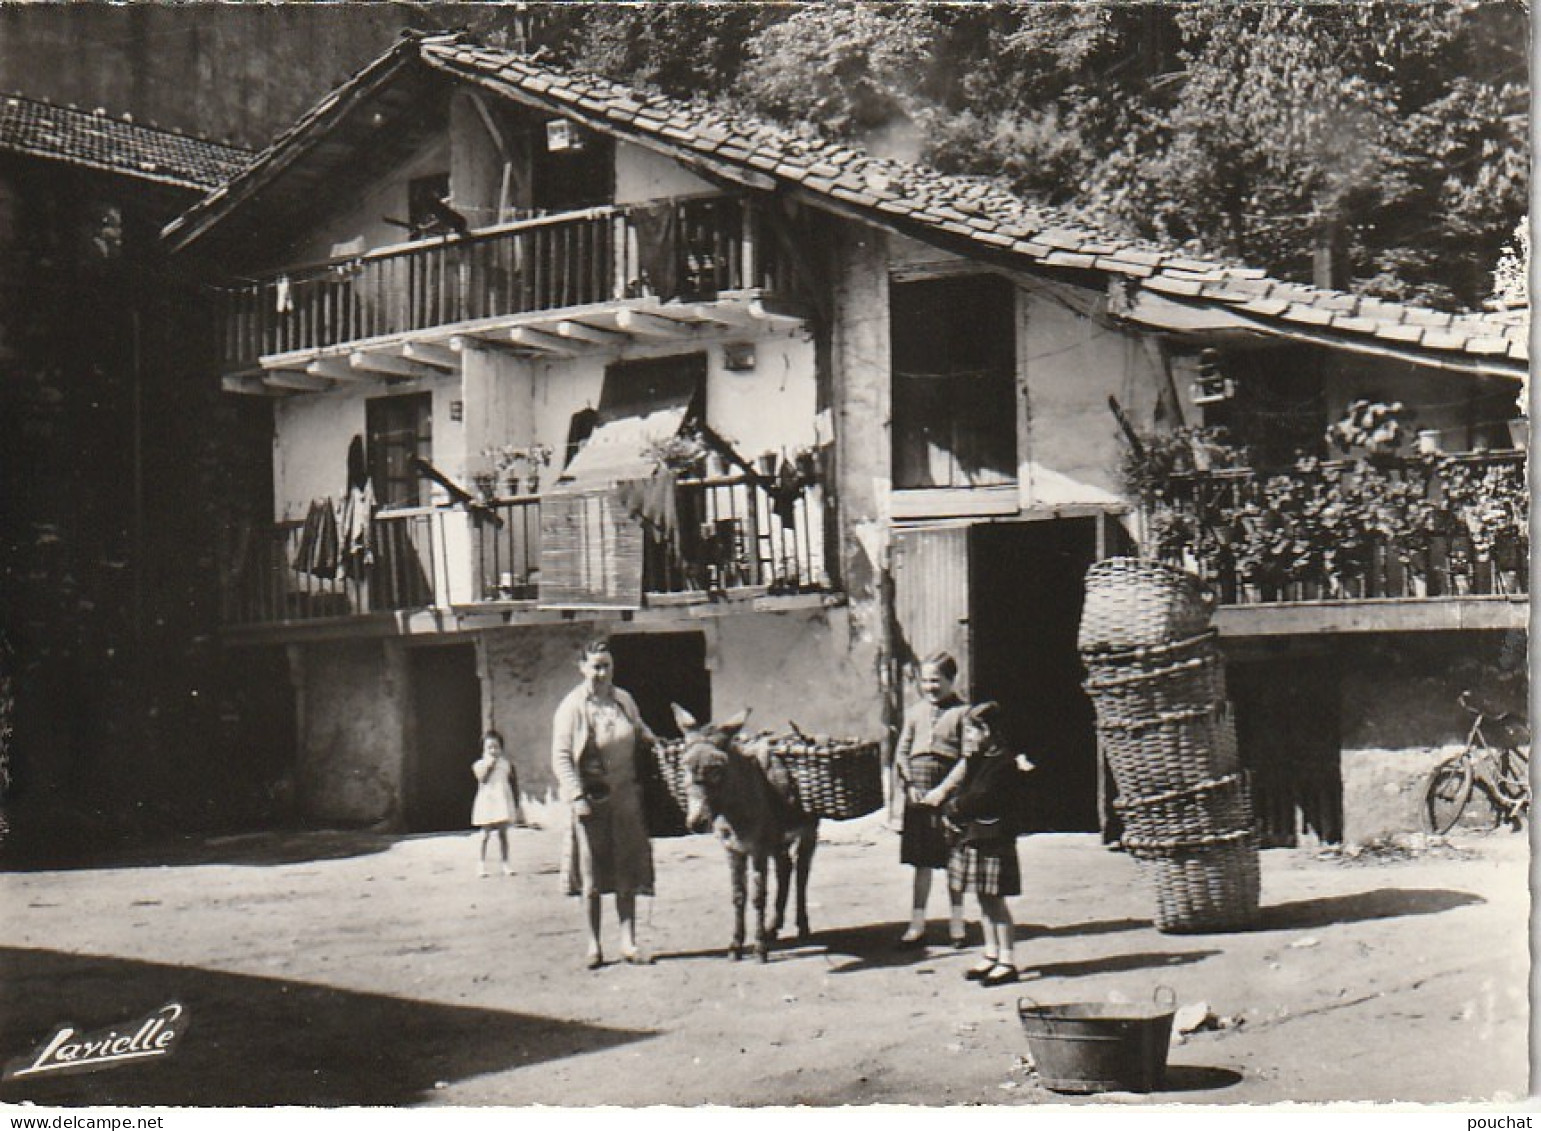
point(496, 804)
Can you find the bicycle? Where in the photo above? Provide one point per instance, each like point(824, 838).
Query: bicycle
point(1488, 782)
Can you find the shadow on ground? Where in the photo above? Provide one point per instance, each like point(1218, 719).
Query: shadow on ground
point(1381, 903)
point(258, 1042)
point(1198, 1078)
point(253, 849)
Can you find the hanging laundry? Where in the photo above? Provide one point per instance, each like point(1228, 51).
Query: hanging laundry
point(654, 501)
point(356, 531)
point(658, 248)
point(283, 297)
point(785, 489)
point(317, 551)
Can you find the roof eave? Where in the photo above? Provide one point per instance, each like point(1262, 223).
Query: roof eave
point(288, 147)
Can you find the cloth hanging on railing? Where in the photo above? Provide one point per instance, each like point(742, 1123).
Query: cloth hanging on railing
point(356, 531)
point(655, 502)
point(784, 491)
point(317, 553)
point(657, 248)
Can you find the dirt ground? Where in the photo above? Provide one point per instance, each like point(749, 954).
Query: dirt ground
point(354, 968)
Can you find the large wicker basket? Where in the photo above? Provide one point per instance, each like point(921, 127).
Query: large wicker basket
point(664, 799)
point(1185, 675)
point(1137, 602)
point(1202, 883)
point(837, 780)
point(1171, 751)
point(1214, 807)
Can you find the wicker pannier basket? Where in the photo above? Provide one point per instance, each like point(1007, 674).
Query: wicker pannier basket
point(664, 798)
point(839, 781)
point(1202, 883)
point(1137, 602)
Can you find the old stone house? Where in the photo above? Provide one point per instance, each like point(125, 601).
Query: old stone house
point(103, 503)
point(878, 398)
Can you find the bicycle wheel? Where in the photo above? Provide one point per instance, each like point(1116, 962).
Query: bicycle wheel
point(1445, 797)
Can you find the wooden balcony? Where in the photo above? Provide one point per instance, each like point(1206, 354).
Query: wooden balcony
point(1384, 544)
point(690, 249)
point(734, 541)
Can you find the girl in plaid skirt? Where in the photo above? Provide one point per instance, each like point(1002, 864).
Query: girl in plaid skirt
point(984, 859)
point(927, 756)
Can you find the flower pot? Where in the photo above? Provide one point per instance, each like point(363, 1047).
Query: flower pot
point(1509, 581)
point(1417, 585)
point(1428, 442)
point(1460, 584)
point(510, 486)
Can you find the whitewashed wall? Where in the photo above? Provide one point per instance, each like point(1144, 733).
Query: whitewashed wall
point(641, 174)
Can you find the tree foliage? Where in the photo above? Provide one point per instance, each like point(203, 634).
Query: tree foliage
point(1238, 129)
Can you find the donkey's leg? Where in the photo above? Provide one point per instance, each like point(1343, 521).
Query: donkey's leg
point(736, 862)
point(783, 887)
point(805, 846)
point(762, 939)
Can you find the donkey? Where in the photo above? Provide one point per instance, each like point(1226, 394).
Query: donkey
point(751, 799)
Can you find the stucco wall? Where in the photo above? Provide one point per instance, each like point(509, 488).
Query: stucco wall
point(312, 433)
point(641, 174)
point(768, 408)
point(1071, 361)
point(799, 665)
point(351, 756)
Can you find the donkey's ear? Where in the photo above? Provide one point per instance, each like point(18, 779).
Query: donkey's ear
point(732, 726)
point(683, 718)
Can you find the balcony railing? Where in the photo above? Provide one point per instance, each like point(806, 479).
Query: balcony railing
point(732, 535)
point(1416, 527)
point(689, 248)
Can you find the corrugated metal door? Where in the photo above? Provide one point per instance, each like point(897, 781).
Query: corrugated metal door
point(930, 568)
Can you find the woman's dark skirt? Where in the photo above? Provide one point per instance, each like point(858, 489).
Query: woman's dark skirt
point(923, 839)
point(985, 869)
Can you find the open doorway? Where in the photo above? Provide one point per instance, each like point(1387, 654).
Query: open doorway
point(1025, 594)
point(447, 710)
point(660, 668)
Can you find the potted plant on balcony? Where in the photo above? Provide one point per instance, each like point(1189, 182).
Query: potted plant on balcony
point(518, 468)
point(682, 453)
point(1371, 427)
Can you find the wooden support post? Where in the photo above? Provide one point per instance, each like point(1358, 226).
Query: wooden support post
point(393, 367)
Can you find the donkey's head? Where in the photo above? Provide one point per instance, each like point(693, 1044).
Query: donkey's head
point(710, 762)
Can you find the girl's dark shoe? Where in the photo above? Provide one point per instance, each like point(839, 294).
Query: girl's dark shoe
point(977, 972)
point(999, 975)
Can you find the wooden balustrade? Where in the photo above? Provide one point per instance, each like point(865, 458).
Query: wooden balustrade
point(730, 536)
point(1452, 526)
point(703, 244)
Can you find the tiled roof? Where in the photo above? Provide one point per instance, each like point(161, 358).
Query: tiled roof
point(978, 211)
point(96, 141)
point(963, 213)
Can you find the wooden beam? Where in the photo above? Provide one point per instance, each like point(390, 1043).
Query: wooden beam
point(773, 314)
point(1412, 614)
point(593, 335)
point(393, 367)
point(294, 381)
point(720, 313)
point(539, 340)
point(427, 353)
point(335, 368)
point(645, 325)
point(246, 384)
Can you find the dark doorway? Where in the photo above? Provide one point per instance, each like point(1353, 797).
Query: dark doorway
point(660, 668)
point(1026, 588)
point(1289, 731)
point(447, 715)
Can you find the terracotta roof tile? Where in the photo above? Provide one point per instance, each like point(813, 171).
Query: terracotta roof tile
point(972, 208)
point(1399, 332)
point(1488, 345)
point(94, 140)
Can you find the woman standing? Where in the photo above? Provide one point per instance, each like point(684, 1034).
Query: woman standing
point(927, 752)
point(593, 754)
point(984, 861)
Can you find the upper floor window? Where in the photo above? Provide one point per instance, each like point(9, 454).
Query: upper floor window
point(953, 345)
point(399, 428)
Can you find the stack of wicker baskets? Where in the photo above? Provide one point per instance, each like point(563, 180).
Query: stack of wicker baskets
point(1158, 684)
